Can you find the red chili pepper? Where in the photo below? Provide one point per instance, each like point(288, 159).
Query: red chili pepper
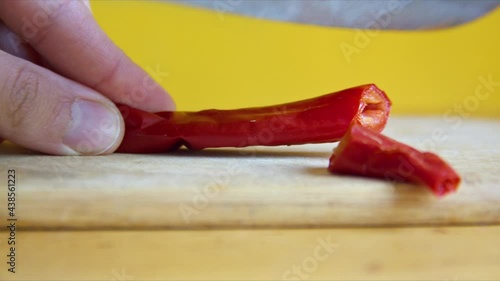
point(367, 153)
point(317, 120)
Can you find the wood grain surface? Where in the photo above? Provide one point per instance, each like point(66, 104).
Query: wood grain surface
point(255, 187)
point(443, 253)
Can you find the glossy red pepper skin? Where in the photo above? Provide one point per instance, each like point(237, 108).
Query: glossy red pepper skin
point(317, 120)
point(367, 153)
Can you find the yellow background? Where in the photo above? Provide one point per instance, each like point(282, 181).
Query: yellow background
point(217, 60)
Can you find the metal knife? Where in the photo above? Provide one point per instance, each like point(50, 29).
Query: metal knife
point(361, 14)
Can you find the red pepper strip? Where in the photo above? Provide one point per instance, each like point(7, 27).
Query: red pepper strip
point(367, 153)
point(317, 120)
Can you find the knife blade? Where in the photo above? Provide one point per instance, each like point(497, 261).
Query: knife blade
point(361, 14)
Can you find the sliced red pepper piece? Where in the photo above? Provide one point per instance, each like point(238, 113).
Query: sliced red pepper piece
point(367, 153)
point(317, 120)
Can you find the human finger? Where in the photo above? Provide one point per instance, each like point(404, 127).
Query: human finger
point(68, 37)
point(43, 111)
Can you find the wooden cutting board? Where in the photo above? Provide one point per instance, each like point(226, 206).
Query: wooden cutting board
point(255, 187)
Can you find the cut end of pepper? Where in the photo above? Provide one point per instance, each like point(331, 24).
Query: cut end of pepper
point(446, 186)
point(374, 109)
point(448, 180)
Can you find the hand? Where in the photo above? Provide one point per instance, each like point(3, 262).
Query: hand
point(59, 77)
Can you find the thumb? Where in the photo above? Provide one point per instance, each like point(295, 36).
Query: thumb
point(45, 112)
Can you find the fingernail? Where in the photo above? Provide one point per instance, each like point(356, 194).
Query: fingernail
point(94, 128)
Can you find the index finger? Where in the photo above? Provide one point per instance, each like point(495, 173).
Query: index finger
point(65, 33)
